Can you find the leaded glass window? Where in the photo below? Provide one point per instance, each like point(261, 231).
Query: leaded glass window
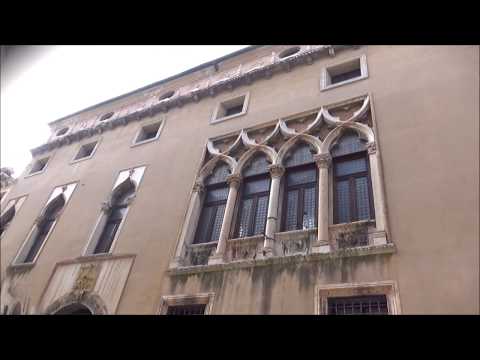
point(218, 175)
point(349, 143)
point(352, 184)
point(301, 155)
point(253, 207)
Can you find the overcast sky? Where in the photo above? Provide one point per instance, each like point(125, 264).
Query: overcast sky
point(65, 79)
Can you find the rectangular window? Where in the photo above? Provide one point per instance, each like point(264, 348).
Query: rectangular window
point(230, 108)
point(300, 211)
point(194, 309)
point(344, 73)
point(211, 218)
point(38, 166)
point(254, 207)
point(148, 133)
point(86, 151)
point(352, 189)
point(358, 305)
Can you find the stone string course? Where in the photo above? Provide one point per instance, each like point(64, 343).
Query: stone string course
point(244, 74)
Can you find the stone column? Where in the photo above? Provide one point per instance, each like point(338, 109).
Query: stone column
point(234, 182)
point(276, 171)
point(190, 223)
point(379, 237)
point(322, 245)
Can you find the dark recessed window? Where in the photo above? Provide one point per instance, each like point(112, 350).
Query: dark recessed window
point(62, 131)
point(38, 165)
point(231, 107)
point(342, 72)
point(234, 110)
point(358, 305)
point(85, 151)
point(148, 132)
point(193, 309)
point(106, 116)
point(345, 76)
point(167, 95)
point(289, 52)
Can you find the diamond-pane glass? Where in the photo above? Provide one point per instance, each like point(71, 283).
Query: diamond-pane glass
point(292, 208)
point(363, 206)
point(350, 167)
point(217, 224)
point(218, 175)
point(348, 144)
point(309, 208)
point(343, 201)
point(217, 194)
point(299, 156)
point(257, 165)
point(257, 186)
point(203, 225)
point(261, 215)
point(358, 305)
point(245, 212)
point(301, 177)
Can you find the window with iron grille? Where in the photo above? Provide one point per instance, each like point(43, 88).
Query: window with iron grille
point(211, 217)
point(352, 184)
point(254, 199)
point(300, 201)
point(358, 305)
point(193, 309)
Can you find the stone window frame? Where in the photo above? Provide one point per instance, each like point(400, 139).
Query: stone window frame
point(215, 119)
point(28, 242)
point(389, 288)
point(16, 200)
point(96, 232)
point(97, 143)
point(146, 124)
point(201, 298)
point(325, 75)
point(29, 174)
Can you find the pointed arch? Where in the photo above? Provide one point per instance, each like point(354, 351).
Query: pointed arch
point(363, 131)
point(207, 169)
point(305, 138)
point(245, 158)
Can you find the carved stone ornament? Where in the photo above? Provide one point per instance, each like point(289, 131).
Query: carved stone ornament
point(198, 187)
point(372, 148)
point(323, 160)
point(234, 180)
point(276, 171)
point(39, 220)
point(86, 278)
point(106, 206)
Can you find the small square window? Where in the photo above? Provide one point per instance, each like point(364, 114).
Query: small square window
point(148, 133)
point(86, 151)
point(38, 166)
point(344, 73)
point(231, 108)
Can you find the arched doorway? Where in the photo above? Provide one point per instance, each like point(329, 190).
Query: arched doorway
point(74, 309)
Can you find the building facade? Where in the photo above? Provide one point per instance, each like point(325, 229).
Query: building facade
point(275, 180)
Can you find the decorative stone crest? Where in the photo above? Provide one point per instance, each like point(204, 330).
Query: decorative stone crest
point(276, 171)
point(86, 278)
point(198, 187)
point(323, 160)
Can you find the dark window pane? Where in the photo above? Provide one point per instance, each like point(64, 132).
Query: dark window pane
point(258, 165)
point(343, 201)
point(358, 305)
point(204, 224)
point(234, 110)
point(40, 238)
point(350, 167)
point(362, 198)
point(217, 224)
point(195, 309)
point(245, 213)
point(261, 215)
point(218, 175)
point(301, 177)
point(106, 239)
point(292, 209)
point(300, 155)
point(309, 205)
point(217, 194)
point(257, 186)
point(349, 143)
point(345, 76)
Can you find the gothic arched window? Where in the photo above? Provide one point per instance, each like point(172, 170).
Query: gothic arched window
point(115, 217)
point(300, 199)
point(254, 199)
point(352, 185)
point(211, 218)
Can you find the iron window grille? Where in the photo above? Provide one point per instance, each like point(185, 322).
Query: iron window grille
point(193, 309)
point(358, 305)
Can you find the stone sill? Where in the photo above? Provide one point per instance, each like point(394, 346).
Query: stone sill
point(389, 248)
point(95, 258)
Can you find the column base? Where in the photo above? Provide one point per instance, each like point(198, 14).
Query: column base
point(321, 248)
point(379, 238)
point(216, 259)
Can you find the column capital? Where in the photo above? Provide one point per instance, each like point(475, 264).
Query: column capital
point(234, 180)
point(322, 160)
point(372, 148)
point(276, 171)
point(198, 187)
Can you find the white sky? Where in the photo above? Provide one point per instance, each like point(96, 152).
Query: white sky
point(70, 78)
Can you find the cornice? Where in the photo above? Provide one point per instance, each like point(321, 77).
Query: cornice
point(245, 74)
